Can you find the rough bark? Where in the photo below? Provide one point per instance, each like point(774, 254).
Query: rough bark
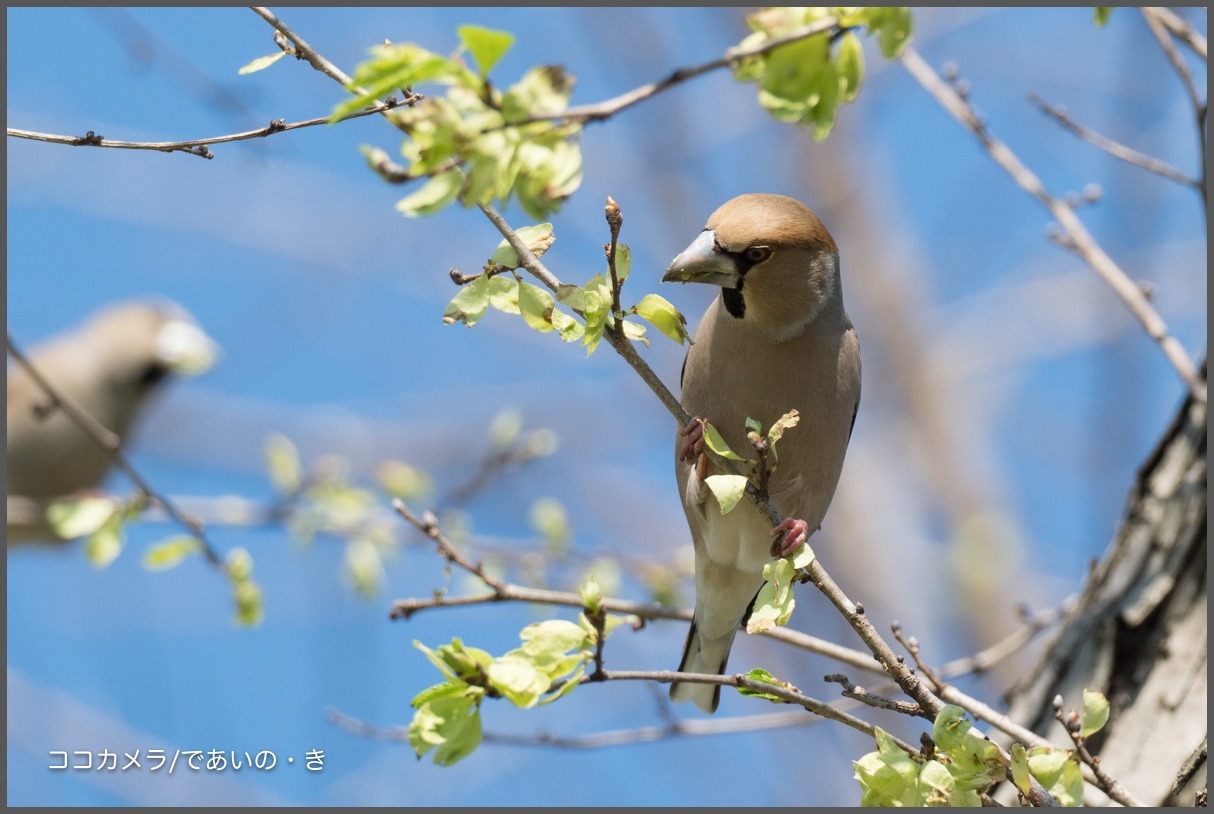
point(1138, 632)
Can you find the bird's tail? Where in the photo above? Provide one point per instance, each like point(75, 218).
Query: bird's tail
point(702, 655)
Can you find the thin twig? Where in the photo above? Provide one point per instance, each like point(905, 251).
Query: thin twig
point(305, 51)
point(1182, 70)
point(615, 220)
point(428, 525)
point(1114, 148)
point(862, 695)
point(1180, 28)
point(199, 146)
point(984, 660)
point(112, 444)
point(1074, 728)
point(1080, 239)
point(608, 108)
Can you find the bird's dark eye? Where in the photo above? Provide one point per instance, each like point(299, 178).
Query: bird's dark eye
point(757, 254)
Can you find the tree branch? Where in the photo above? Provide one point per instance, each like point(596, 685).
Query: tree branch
point(1199, 107)
point(1179, 28)
point(1115, 149)
point(1080, 239)
point(199, 146)
point(608, 108)
point(1110, 786)
point(112, 444)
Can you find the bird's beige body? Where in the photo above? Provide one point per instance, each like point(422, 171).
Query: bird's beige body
point(793, 347)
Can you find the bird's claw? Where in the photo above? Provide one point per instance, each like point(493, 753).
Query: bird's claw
point(695, 439)
point(795, 531)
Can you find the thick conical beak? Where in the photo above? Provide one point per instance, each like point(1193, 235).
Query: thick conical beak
point(185, 349)
point(702, 262)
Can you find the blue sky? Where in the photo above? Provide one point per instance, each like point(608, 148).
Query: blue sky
point(1045, 395)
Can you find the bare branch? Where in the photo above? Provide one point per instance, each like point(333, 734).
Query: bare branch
point(1160, 30)
point(1032, 624)
point(1113, 148)
point(1074, 728)
point(862, 695)
point(1179, 28)
point(112, 445)
point(1083, 243)
point(199, 146)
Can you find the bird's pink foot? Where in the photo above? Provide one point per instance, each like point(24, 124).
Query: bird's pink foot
point(795, 533)
point(695, 439)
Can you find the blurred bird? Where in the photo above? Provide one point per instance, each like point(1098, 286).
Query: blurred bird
point(109, 366)
point(776, 339)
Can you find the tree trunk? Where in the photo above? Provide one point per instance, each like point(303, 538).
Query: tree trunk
point(1138, 632)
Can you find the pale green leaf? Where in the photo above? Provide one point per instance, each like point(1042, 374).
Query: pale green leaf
point(592, 595)
point(1095, 712)
point(663, 316)
point(537, 238)
point(782, 424)
point(434, 195)
point(714, 441)
point(1101, 15)
point(505, 427)
point(470, 304)
point(850, 65)
point(728, 490)
point(240, 564)
point(442, 690)
point(77, 517)
point(950, 728)
point(401, 480)
point(170, 552)
point(261, 63)
point(105, 544)
point(634, 332)
point(936, 783)
point(536, 306)
point(549, 518)
point(552, 636)
point(487, 46)
point(364, 567)
point(503, 294)
point(250, 606)
point(802, 557)
point(623, 262)
point(1020, 769)
point(282, 460)
point(763, 676)
point(569, 328)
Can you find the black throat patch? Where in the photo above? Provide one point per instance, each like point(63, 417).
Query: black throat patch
point(735, 303)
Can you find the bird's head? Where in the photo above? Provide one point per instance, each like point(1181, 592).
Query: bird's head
point(775, 262)
point(140, 344)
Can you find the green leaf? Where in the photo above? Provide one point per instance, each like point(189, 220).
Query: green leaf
point(596, 306)
point(801, 557)
point(773, 605)
point(470, 304)
point(551, 637)
point(77, 517)
point(452, 723)
point(592, 597)
point(170, 552)
point(567, 686)
point(850, 64)
point(282, 461)
point(543, 91)
point(261, 63)
point(728, 490)
point(569, 328)
point(364, 566)
point(105, 544)
point(825, 102)
point(888, 777)
point(240, 564)
point(503, 294)
point(634, 332)
point(623, 262)
point(536, 306)
point(936, 783)
point(399, 479)
point(487, 46)
point(1095, 712)
point(549, 518)
point(505, 427)
point(714, 441)
point(517, 678)
point(537, 238)
point(442, 690)
point(1058, 771)
point(761, 675)
point(391, 68)
point(950, 728)
point(434, 195)
point(663, 316)
point(894, 31)
point(250, 607)
point(1020, 769)
point(782, 424)
point(1101, 15)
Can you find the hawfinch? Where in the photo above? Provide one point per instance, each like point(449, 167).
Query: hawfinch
point(776, 339)
point(109, 366)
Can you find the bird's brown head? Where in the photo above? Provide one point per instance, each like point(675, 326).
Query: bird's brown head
point(774, 260)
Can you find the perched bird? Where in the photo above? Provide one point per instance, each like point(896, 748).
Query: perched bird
point(109, 366)
point(776, 339)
